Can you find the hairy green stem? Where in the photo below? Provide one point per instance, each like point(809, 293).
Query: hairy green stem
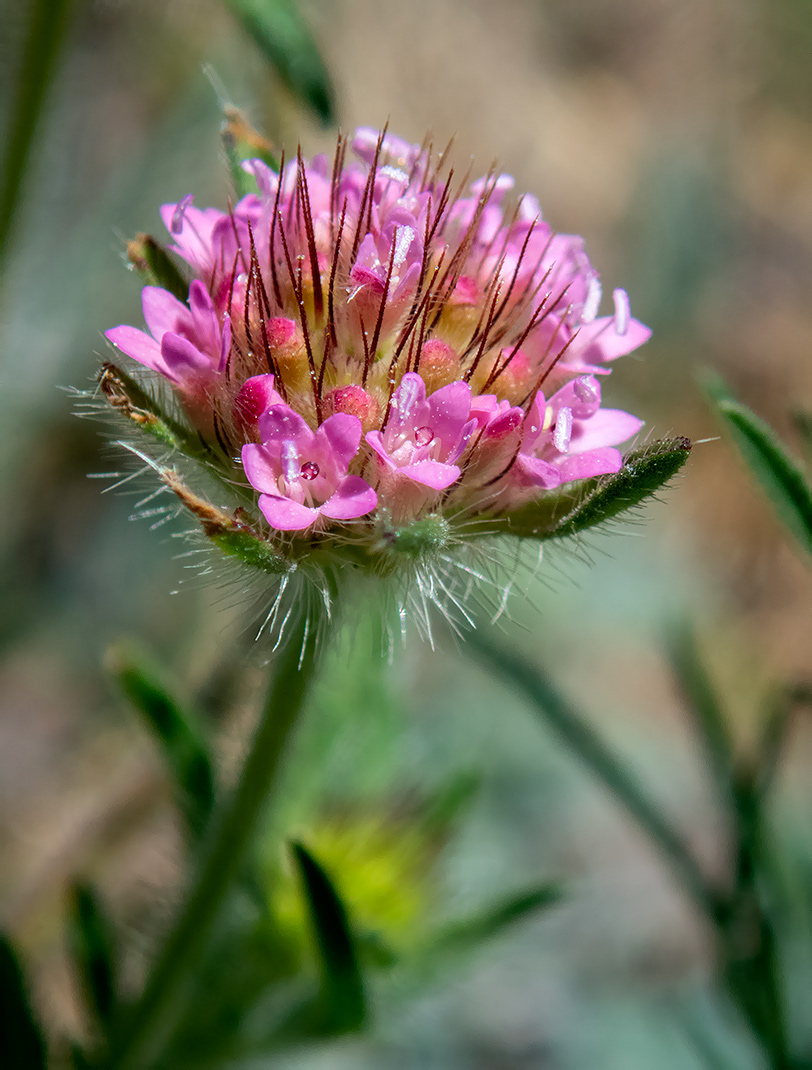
point(146, 1030)
point(583, 742)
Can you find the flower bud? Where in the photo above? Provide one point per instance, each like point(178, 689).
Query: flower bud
point(438, 365)
point(355, 401)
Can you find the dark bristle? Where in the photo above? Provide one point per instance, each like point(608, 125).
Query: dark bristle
point(331, 321)
point(272, 237)
point(485, 334)
point(296, 283)
point(315, 275)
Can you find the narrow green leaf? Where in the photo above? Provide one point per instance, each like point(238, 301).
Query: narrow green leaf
point(175, 729)
point(572, 728)
point(287, 43)
point(644, 472)
point(771, 746)
point(46, 33)
point(21, 1043)
point(342, 999)
point(803, 423)
point(156, 267)
point(705, 708)
point(484, 925)
point(91, 941)
point(779, 474)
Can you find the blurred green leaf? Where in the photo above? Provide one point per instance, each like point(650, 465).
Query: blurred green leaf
point(21, 1043)
point(579, 736)
point(175, 729)
point(287, 43)
point(486, 924)
point(49, 22)
point(644, 472)
point(779, 474)
point(803, 423)
point(91, 941)
point(705, 708)
point(342, 1001)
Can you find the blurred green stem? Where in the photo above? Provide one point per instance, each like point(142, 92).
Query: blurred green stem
point(49, 21)
point(582, 741)
point(147, 1028)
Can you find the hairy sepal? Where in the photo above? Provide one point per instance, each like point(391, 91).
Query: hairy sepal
point(127, 398)
point(644, 472)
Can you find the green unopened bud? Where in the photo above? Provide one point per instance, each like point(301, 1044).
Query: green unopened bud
point(251, 550)
point(427, 536)
point(644, 472)
point(155, 266)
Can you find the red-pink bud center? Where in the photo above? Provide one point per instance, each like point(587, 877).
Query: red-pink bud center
point(354, 401)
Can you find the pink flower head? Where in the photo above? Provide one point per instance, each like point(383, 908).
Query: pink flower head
point(377, 344)
point(302, 475)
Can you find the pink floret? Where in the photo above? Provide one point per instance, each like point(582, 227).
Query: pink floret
point(302, 475)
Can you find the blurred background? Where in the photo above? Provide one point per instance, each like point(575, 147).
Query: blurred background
point(676, 136)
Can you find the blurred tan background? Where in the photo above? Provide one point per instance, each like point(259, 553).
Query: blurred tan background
point(676, 136)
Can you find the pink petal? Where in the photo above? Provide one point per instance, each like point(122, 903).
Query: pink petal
point(286, 515)
point(164, 312)
point(600, 340)
point(206, 326)
point(608, 427)
point(193, 241)
point(376, 442)
point(341, 435)
point(260, 467)
point(256, 396)
point(588, 465)
point(182, 358)
point(531, 471)
point(432, 474)
point(283, 422)
point(353, 498)
point(140, 347)
point(449, 408)
point(582, 396)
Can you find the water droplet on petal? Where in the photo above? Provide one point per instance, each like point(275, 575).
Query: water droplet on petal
point(423, 435)
point(309, 470)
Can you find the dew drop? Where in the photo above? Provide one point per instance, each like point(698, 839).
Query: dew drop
point(309, 470)
point(423, 435)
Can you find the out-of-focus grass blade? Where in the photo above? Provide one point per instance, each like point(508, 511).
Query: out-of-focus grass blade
point(21, 1043)
point(706, 710)
point(182, 743)
point(285, 39)
point(803, 422)
point(578, 735)
point(342, 999)
point(486, 924)
point(779, 474)
point(92, 944)
point(49, 21)
point(777, 724)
